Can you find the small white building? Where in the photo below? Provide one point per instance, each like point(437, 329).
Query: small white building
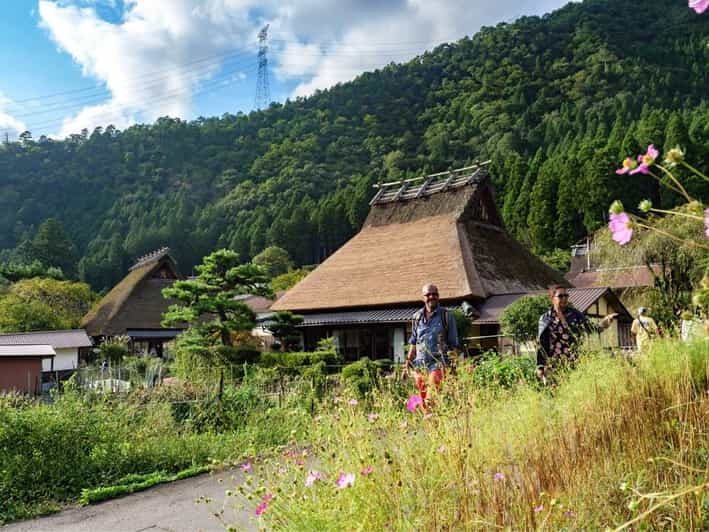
point(70, 346)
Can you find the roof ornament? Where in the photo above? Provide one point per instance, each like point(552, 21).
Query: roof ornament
point(425, 185)
point(153, 256)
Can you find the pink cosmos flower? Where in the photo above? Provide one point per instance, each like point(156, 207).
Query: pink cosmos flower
point(700, 6)
point(413, 402)
point(427, 416)
point(706, 218)
point(499, 476)
point(345, 480)
point(282, 471)
point(442, 449)
point(403, 424)
point(372, 417)
point(261, 508)
point(646, 161)
point(628, 165)
point(353, 402)
point(267, 497)
point(367, 471)
point(246, 467)
point(539, 509)
point(619, 225)
point(300, 463)
point(312, 478)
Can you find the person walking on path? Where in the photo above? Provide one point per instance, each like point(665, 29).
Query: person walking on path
point(644, 328)
point(433, 335)
point(560, 329)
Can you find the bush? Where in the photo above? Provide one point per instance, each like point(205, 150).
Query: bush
point(114, 349)
point(238, 354)
point(361, 376)
point(494, 370)
point(295, 363)
point(521, 318)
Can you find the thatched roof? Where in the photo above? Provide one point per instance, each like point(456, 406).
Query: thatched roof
point(136, 302)
point(448, 232)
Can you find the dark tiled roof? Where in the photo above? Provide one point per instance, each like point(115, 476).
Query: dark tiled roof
point(57, 339)
point(355, 317)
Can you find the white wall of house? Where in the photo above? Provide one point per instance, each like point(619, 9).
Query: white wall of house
point(399, 339)
point(67, 358)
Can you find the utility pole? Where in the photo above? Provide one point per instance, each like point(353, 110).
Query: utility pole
point(263, 96)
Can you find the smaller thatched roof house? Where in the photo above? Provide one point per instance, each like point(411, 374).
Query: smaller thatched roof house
point(134, 307)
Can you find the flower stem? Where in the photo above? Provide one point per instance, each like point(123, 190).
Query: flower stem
point(673, 178)
point(695, 171)
point(693, 216)
point(659, 180)
point(670, 235)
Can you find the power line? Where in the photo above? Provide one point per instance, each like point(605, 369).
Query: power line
point(207, 87)
point(100, 86)
point(145, 87)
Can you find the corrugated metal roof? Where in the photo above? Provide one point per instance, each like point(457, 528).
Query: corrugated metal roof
point(57, 339)
point(26, 350)
point(580, 298)
point(396, 315)
point(583, 298)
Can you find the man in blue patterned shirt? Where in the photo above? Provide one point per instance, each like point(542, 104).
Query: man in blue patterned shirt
point(433, 335)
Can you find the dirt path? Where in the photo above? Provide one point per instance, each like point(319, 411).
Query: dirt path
point(171, 507)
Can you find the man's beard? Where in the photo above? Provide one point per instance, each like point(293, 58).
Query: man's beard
point(432, 305)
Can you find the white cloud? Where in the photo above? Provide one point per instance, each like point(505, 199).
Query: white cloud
point(152, 59)
point(314, 42)
point(371, 37)
point(9, 125)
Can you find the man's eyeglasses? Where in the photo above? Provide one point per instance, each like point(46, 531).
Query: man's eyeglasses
point(561, 296)
point(432, 294)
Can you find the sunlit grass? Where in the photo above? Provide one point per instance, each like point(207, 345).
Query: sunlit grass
point(584, 455)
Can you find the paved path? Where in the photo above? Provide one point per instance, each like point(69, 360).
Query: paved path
point(170, 507)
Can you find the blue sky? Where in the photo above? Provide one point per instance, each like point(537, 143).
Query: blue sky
point(69, 64)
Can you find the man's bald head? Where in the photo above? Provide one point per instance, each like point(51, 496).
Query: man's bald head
point(429, 292)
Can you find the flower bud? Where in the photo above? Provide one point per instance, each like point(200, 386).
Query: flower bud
point(674, 156)
point(645, 205)
point(616, 207)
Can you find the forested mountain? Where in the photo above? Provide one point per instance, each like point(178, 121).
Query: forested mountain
point(554, 101)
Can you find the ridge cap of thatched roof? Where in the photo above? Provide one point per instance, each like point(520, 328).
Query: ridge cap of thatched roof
point(153, 256)
point(427, 185)
point(104, 311)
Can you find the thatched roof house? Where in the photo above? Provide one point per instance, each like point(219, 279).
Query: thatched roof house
point(134, 307)
point(443, 228)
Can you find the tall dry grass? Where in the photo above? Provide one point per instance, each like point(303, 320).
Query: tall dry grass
point(613, 442)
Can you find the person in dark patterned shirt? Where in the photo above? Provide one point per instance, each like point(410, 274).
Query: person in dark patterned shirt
point(560, 329)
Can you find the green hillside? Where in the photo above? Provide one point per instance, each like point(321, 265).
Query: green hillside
point(555, 101)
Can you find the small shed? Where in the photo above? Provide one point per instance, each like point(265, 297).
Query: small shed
point(134, 307)
point(71, 347)
point(21, 367)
